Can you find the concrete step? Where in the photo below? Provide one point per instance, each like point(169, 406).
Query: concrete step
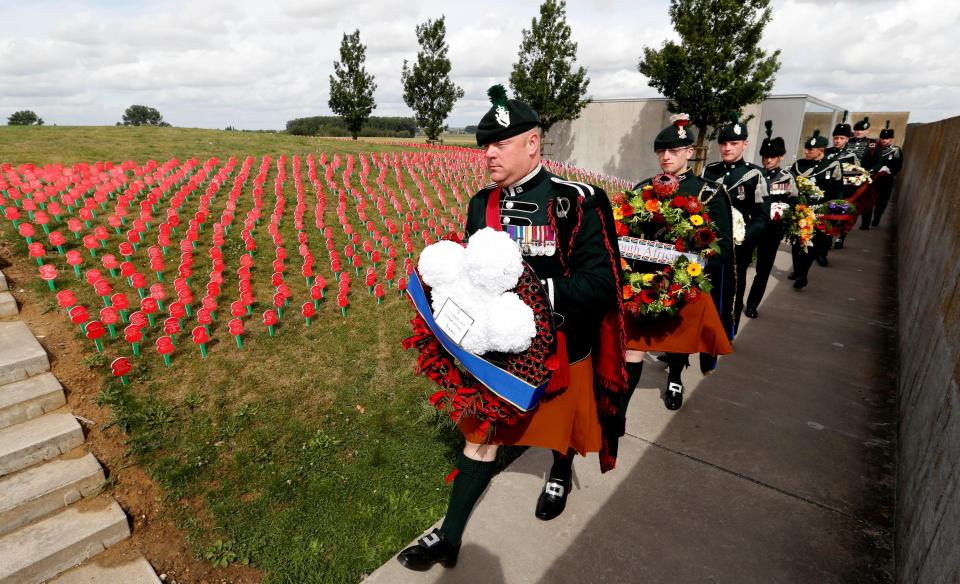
point(136, 571)
point(32, 493)
point(30, 398)
point(40, 551)
point(20, 353)
point(39, 439)
point(8, 305)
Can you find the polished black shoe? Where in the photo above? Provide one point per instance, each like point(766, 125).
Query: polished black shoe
point(822, 260)
point(838, 244)
point(553, 499)
point(674, 396)
point(431, 549)
point(800, 283)
point(792, 276)
point(750, 312)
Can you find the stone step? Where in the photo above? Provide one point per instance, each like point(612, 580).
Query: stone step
point(32, 493)
point(8, 305)
point(20, 353)
point(40, 551)
point(136, 571)
point(39, 439)
point(3, 282)
point(30, 398)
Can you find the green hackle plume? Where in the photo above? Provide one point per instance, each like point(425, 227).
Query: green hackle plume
point(845, 114)
point(498, 95)
point(769, 128)
point(887, 127)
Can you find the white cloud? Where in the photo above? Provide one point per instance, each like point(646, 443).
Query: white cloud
point(254, 64)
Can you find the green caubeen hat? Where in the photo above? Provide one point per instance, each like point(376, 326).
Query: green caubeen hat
point(506, 118)
point(843, 128)
point(815, 141)
point(676, 135)
point(772, 147)
point(732, 130)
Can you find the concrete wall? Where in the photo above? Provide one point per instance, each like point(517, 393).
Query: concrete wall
point(928, 482)
point(615, 137)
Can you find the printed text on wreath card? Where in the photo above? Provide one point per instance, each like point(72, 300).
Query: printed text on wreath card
point(454, 321)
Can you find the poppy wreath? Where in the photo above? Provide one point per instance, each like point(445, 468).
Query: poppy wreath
point(658, 213)
point(836, 217)
point(460, 393)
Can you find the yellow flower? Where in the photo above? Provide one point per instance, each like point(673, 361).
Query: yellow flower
point(697, 220)
point(618, 213)
point(694, 269)
point(648, 278)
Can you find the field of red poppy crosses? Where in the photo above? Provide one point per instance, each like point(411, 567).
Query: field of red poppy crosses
point(154, 260)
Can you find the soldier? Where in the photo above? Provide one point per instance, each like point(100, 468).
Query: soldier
point(674, 149)
point(864, 147)
point(747, 187)
point(888, 164)
point(569, 226)
point(782, 189)
point(828, 175)
point(840, 151)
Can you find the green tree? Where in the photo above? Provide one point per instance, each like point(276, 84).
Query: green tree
point(718, 66)
point(24, 118)
point(351, 87)
point(141, 115)
point(546, 76)
point(427, 88)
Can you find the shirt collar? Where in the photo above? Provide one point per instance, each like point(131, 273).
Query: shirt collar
point(526, 183)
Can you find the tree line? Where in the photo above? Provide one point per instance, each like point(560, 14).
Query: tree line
point(716, 67)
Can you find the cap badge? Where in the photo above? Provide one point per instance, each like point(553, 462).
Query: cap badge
point(736, 129)
point(681, 133)
point(503, 116)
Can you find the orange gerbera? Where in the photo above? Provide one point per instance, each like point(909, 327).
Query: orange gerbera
point(653, 205)
point(627, 292)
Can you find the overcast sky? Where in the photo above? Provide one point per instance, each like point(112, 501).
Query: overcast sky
point(256, 64)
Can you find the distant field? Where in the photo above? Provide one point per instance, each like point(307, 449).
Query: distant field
point(69, 144)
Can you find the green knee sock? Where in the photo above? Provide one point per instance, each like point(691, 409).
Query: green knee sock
point(472, 478)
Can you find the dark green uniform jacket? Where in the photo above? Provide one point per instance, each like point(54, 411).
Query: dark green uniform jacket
point(844, 155)
point(561, 227)
point(747, 189)
point(826, 173)
point(865, 149)
point(890, 157)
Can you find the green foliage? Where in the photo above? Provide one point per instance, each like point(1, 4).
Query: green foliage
point(718, 65)
point(375, 126)
point(221, 554)
point(351, 87)
point(24, 118)
point(427, 88)
point(141, 115)
point(545, 77)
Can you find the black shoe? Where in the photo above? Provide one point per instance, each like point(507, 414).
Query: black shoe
point(708, 363)
point(673, 399)
point(838, 244)
point(750, 312)
point(876, 223)
point(430, 549)
point(822, 260)
point(800, 283)
point(553, 499)
point(864, 228)
point(792, 276)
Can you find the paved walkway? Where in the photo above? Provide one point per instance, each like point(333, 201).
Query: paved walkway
point(778, 468)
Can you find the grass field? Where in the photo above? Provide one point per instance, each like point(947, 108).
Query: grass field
point(313, 453)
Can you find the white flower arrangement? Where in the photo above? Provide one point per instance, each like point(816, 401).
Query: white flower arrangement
point(478, 279)
point(739, 227)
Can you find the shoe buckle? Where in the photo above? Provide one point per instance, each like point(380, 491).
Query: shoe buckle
point(430, 540)
point(554, 489)
point(675, 388)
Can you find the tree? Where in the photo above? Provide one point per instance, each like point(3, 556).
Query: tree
point(141, 115)
point(544, 77)
point(718, 66)
point(24, 118)
point(427, 88)
point(351, 87)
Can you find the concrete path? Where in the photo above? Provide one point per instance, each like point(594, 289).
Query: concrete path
point(51, 515)
point(778, 468)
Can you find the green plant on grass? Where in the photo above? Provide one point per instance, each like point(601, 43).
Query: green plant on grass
point(221, 554)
